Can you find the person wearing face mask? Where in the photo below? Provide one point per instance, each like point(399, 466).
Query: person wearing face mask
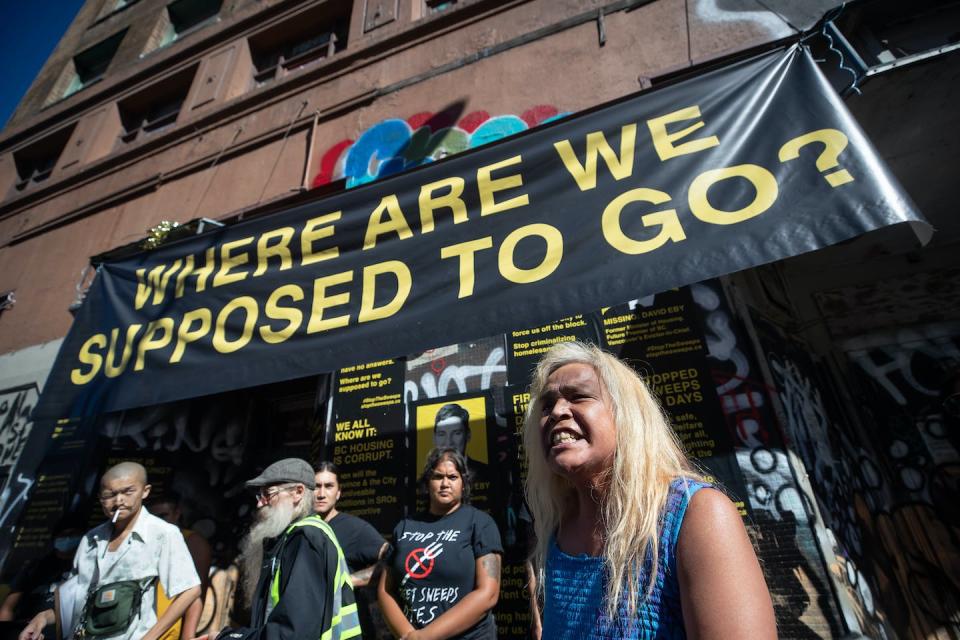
point(442, 575)
point(119, 563)
point(632, 541)
point(31, 590)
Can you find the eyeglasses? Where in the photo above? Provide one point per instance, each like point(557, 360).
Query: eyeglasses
point(266, 494)
point(109, 496)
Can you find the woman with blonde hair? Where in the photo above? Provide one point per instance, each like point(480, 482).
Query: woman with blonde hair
point(632, 542)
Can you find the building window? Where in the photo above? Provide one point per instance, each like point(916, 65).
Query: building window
point(88, 66)
point(301, 41)
point(111, 7)
point(36, 162)
point(436, 6)
point(180, 18)
point(156, 108)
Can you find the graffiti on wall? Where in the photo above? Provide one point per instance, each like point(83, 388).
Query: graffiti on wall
point(907, 363)
point(907, 480)
point(780, 511)
point(15, 407)
point(886, 488)
point(463, 368)
point(394, 145)
point(830, 461)
point(14, 493)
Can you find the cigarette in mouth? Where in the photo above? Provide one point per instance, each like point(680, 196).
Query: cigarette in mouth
point(116, 514)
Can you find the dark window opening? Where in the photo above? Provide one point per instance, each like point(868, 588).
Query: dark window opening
point(307, 38)
point(436, 6)
point(91, 64)
point(36, 162)
point(156, 108)
point(186, 15)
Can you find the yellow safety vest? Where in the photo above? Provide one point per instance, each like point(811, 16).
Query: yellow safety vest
point(344, 623)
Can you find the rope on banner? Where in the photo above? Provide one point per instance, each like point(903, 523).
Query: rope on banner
point(283, 145)
point(215, 167)
point(829, 30)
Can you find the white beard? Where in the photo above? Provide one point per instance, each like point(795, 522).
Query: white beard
point(271, 522)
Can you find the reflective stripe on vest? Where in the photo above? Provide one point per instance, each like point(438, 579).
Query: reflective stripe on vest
point(344, 623)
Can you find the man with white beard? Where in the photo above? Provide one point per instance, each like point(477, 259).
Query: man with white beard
point(294, 568)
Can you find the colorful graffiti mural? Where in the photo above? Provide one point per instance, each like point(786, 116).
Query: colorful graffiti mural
point(394, 145)
point(781, 514)
point(886, 490)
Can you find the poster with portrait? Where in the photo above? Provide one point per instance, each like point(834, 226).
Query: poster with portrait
point(464, 422)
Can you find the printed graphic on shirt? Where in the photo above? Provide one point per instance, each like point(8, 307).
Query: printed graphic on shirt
point(434, 561)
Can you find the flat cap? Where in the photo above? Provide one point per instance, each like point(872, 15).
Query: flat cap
point(286, 470)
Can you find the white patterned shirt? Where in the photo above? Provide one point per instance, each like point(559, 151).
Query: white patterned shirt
point(153, 548)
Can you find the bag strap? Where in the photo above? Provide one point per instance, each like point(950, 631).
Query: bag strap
point(143, 584)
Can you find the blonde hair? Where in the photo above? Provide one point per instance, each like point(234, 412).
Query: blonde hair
point(648, 457)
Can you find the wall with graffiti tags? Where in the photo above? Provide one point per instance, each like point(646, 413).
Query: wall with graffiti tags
point(22, 374)
point(394, 144)
point(880, 448)
point(909, 472)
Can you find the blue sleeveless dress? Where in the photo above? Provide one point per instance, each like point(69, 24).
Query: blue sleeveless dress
point(574, 587)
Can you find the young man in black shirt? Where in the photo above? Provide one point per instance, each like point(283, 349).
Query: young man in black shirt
point(361, 543)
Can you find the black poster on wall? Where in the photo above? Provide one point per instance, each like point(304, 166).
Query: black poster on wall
point(663, 337)
point(366, 442)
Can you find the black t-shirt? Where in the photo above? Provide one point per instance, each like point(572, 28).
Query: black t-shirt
point(360, 542)
point(433, 560)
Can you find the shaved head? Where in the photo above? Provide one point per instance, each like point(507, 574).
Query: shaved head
point(124, 470)
point(122, 490)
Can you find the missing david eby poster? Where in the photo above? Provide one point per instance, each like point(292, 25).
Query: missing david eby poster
point(666, 338)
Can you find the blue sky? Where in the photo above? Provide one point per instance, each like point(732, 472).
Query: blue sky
point(29, 31)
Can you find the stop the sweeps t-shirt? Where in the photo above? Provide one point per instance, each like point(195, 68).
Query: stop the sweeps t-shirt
point(434, 561)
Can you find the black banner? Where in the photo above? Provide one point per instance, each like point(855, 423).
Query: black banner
point(738, 167)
